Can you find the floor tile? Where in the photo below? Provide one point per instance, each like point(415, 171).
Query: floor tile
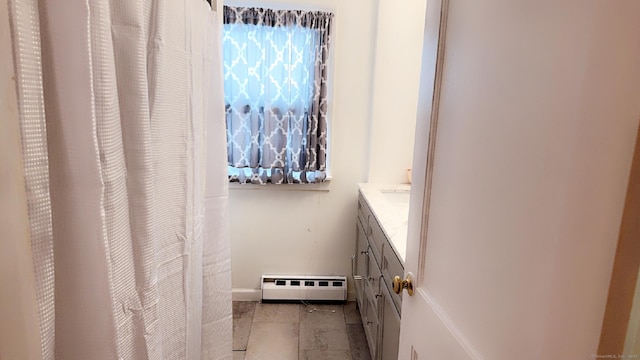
point(292, 331)
point(351, 313)
point(358, 342)
point(322, 315)
point(273, 341)
point(242, 319)
point(318, 337)
point(322, 327)
point(325, 355)
point(242, 309)
point(284, 313)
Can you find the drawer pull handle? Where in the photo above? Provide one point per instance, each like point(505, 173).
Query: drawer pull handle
point(378, 295)
point(369, 322)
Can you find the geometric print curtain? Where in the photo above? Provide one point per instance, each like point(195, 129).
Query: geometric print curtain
point(275, 84)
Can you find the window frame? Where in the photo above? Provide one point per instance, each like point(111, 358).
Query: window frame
point(316, 5)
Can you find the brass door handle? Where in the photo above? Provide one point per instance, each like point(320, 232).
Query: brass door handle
point(399, 284)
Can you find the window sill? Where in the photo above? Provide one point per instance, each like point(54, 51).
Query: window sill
point(323, 186)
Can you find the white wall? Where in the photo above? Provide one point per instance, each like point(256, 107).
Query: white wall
point(538, 119)
point(313, 232)
point(395, 96)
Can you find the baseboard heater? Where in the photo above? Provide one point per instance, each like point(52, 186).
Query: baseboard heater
point(303, 287)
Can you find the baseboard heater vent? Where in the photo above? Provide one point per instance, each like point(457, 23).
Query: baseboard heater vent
point(294, 287)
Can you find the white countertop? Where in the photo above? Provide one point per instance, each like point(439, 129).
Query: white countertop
point(391, 212)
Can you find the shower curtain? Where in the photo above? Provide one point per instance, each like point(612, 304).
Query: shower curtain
point(123, 136)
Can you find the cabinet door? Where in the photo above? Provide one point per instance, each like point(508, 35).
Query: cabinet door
point(377, 239)
point(361, 263)
point(363, 212)
point(374, 281)
point(390, 338)
point(391, 267)
point(371, 327)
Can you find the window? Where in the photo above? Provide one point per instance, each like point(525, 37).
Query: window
point(275, 83)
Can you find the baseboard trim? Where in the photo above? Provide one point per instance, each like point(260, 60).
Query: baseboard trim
point(246, 295)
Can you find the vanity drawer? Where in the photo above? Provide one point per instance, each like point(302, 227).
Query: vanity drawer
point(363, 213)
point(373, 283)
point(391, 267)
point(362, 249)
point(376, 238)
point(374, 274)
point(360, 265)
point(362, 309)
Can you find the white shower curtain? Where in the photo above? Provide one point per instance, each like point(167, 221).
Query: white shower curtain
point(124, 147)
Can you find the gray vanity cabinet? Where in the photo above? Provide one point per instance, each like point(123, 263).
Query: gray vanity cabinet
point(374, 262)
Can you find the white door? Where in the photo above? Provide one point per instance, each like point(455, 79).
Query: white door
point(527, 125)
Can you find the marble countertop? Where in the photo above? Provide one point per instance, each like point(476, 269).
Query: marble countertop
point(390, 205)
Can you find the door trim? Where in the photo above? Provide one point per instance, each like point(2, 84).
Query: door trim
point(431, 147)
point(625, 267)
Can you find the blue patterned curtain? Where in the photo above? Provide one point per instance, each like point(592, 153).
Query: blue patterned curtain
point(275, 83)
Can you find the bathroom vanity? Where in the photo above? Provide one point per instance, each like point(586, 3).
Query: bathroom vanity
point(379, 256)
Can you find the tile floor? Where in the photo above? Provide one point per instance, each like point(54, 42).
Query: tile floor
point(298, 331)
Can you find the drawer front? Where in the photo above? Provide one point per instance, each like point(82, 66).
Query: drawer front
point(362, 307)
point(374, 275)
point(373, 283)
point(362, 249)
point(377, 239)
point(370, 324)
point(360, 295)
point(391, 267)
point(360, 268)
point(363, 213)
